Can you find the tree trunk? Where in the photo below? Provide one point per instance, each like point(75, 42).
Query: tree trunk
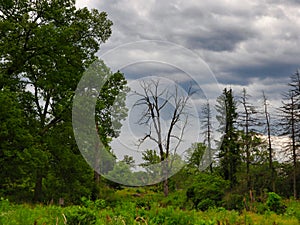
point(165, 168)
point(96, 178)
point(267, 116)
point(38, 191)
point(295, 178)
point(294, 157)
point(166, 188)
point(248, 170)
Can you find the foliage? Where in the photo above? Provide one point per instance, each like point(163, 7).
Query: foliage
point(275, 203)
point(195, 155)
point(46, 46)
point(80, 215)
point(127, 213)
point(207, 191)
point(234, 202)
point(230, 156)
point(97, 204)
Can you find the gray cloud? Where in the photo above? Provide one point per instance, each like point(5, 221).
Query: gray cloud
point(242, 41)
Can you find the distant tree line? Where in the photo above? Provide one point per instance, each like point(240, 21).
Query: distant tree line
point(246, 156)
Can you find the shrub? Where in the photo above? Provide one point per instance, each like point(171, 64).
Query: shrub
point(142, 203)
point(207, 188)
point(260, 208)
point(275, 204)
point(80, 215)
point(234, 202)
point(171, 216)
point(4, 204)
point(176, 199)
point(97, 204)
point(100, 204)
point(206, 204)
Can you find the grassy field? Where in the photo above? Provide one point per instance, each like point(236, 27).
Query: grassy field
point(141, 208)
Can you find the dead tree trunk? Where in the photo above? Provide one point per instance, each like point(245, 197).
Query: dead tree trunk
point(270, 150)
point(155, 100)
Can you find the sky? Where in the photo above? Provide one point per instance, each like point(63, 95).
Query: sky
point(252, 44)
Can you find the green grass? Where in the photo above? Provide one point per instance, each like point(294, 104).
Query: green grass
point(145, 208)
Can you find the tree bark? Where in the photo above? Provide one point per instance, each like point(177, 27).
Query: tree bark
point(267, 116)
point(166, 188)
point(38, 189)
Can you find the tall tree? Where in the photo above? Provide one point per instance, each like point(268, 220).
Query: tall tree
point(45, 47)
point(247, 122)
point(291, 123)
point(207, 126)
point(15, 140)
point(268, 128)
point(158, 102)
point(110, 107)
point(229, 155)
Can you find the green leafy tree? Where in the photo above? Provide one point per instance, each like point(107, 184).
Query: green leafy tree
point(129, 160)
point(45, 48)
point(110, 109)
point(151, 157)
point(15, 142)
point(195, 155)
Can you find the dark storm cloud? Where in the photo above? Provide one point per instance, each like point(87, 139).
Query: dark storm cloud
point(275, 70)
point(242, 41)
point(218, 39)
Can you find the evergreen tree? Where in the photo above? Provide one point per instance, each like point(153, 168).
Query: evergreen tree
point(229, 155)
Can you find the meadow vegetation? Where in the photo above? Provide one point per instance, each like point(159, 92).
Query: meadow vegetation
point(143, 206)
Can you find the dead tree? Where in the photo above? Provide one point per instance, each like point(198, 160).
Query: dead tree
point(155, 102)
point(290, 111)
point(207, 126)
point(270, 149)
point(290, 121)
point(247, 121)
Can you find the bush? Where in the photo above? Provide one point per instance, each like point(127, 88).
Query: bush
point(80, 215)
point(260, 208)
point(234, 202)
point(176, 199)
point(171, 216)
point(4, 204)
point(275, 204)
point(97, 204)
point(206, 204)
point(207, 191)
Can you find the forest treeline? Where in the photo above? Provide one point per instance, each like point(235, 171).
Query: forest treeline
point(46, 46)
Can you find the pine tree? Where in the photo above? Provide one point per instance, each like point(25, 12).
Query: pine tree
point(229, 155)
